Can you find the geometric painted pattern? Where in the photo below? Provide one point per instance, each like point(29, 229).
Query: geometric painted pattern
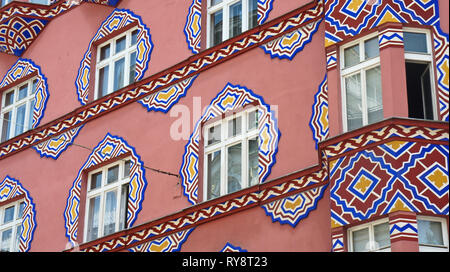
point(287, 46)
point(231, 98)
point(378, 181)
point(21, 69)
point(107, 150)
point(117, 20)
point(403, 227)
point(230, 248)
point(54, 147)
point(390, 36)
point(170, 243)
point(319, 119)
point(193, 29)
point(166, 98)
point(345, 19)
point(11, 188)
point(337, 242)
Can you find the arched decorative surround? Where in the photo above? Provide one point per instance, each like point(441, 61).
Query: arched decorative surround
point(53, 148)
point(117, 20)
point(231, 248)
point(12, 189)
point(21, 69)
point(110, 148)
point(319, 119)
point(170, 243)
point(193, 26)
point(345, 19)
point(231, 98)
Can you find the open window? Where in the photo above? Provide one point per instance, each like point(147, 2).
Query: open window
point(419, 74)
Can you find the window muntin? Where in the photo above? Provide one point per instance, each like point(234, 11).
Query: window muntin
point(17, 109)
point(420, 74)
point(11, 226)
point(116, 63)
point(432, 232)
point(373, 236)
point(107, 200)
point(361, 83)
point(231, 154)
point(229, 18)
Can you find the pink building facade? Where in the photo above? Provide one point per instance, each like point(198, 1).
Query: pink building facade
point(224, 125)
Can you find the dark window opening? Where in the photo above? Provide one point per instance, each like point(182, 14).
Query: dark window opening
point(420, 98)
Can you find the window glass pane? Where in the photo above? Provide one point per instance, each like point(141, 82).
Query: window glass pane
point(214, 134)
point(30, 114)
point(252, 13)
point(235, 19)
point(121, 44)
point(119, 74)
point(21, 209)
point(6, 127)
point(20, 119)
point(94, 208)
point(213, 172)
point(216, 29)
point(351, 56)
point(371, 48)
point(234, 126)
point(17, 239)
point(9, 214)
point(34, 87)
point(134, 35)
point(9, 98)
point(113, 174)
point(234, 168)
point(354, 102)
point(415, 42)
point(127, 168)
point(360, 240)
point(132, 76)
point(96, 180)
point(252, 120)
point(103, 81)
point(374, 95)
point(104, 52)
point(110, 213)
point(430, 232)
point(382, 235)
point(123, 207)
point(6, 240)
point(253, 177)
point(23, 92)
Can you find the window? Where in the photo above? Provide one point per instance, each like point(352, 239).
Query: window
point(11, 226)
point(231, 154)
point(419, 74)
point(374, 236)
point(107, 200)
point(4, 2)
point(42, 2)
point(17, 109)
point(433, 234)
point(361, 83)
point(116, 63)
point(229, 18)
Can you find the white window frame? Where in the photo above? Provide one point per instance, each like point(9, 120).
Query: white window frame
point(225, 7)
point(435, 248)
point(102, 191)
point(28, 100)
point(223, 145)
point(14, 225)
point(360, 68)
point(113, 57)
point(372, 242)
point(416, 57)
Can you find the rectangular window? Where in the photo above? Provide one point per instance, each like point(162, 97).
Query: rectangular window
point(433, 233)
point(229, 18)
point(361, 83)
point(11, 226)
point(17, 109)
point(419, 74)
point(231, 154)
point(116, 63)
point(106, 200)
point(373, 236)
